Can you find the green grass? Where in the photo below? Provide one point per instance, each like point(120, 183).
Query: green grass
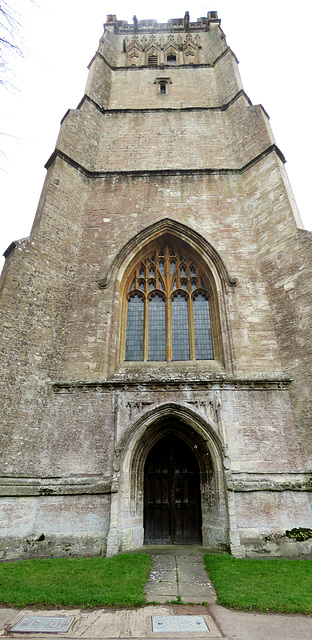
point(76, 582)
point(280, 585)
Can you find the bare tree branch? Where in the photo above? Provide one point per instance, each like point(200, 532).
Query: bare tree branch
point(10, 39)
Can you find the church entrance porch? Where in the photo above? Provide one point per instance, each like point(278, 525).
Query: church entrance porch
point(169, 485)
point(172, 513)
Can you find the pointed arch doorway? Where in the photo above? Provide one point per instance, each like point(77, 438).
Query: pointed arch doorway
point(172, 509)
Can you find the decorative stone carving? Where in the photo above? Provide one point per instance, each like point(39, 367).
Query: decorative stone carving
point(218, 405)
point(116, 461)
point(102, 284)
point(202, 385)
point(136, 407)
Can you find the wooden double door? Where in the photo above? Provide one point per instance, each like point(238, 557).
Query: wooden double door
point(172, 512)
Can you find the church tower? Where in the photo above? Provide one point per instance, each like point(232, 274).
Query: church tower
point(156, 324)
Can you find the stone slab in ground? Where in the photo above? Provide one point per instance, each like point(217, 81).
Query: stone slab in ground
point(165, 561)
point(160, 575)
point(166, 590)
point(184, 623)
point(43, 624)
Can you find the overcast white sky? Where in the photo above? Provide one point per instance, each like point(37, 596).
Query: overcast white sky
point(270, 38)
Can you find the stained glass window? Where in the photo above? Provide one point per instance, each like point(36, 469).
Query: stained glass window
point(135, 322)
point(157, 328)
point(202, 328)
point(180, 330)
point(168, 315)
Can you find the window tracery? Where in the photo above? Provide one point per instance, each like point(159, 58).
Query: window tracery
point(168, 308)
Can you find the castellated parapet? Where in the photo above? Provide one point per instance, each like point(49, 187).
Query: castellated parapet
point(156, 324)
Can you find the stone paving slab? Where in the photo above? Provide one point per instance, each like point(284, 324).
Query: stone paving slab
point(167, 592)
point(195, 599)
point(6, 615)
point(17, 615)
point(176, 624)
point(43, 624)
point(189, 558)
point(186, 550)
point(243, 625)
point(196, 572)
point(167, 562)
point(194, 578)
point(158, 575)
point(200, 586)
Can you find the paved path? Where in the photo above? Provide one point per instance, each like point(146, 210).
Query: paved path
point(178, 574)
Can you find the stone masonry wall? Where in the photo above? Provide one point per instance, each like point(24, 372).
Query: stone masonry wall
point(286, 267)
point(119, 209)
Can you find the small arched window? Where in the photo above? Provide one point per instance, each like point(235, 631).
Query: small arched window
point(171, 59)
point(152, 58)
point(168, 298)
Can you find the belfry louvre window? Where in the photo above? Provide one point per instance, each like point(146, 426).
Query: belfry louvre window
point(153, 58)
point(168, 311)
point(171, 59)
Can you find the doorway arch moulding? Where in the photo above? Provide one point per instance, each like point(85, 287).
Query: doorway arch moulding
point(131, 451)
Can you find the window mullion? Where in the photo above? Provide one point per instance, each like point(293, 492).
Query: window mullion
point(191, 328)
point(168, 306)
point(145, 334)
point(169, 329)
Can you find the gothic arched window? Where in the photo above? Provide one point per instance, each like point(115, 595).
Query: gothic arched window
point(168, 298)
point(171, 59)
point(152, 57)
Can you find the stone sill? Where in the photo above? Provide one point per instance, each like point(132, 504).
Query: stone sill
point(186, 371)
point(14, 487)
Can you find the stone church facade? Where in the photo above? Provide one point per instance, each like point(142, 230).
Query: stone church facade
point(156, 324)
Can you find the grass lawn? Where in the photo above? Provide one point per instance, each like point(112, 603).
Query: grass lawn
point(76, 582)
point(280, 585)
